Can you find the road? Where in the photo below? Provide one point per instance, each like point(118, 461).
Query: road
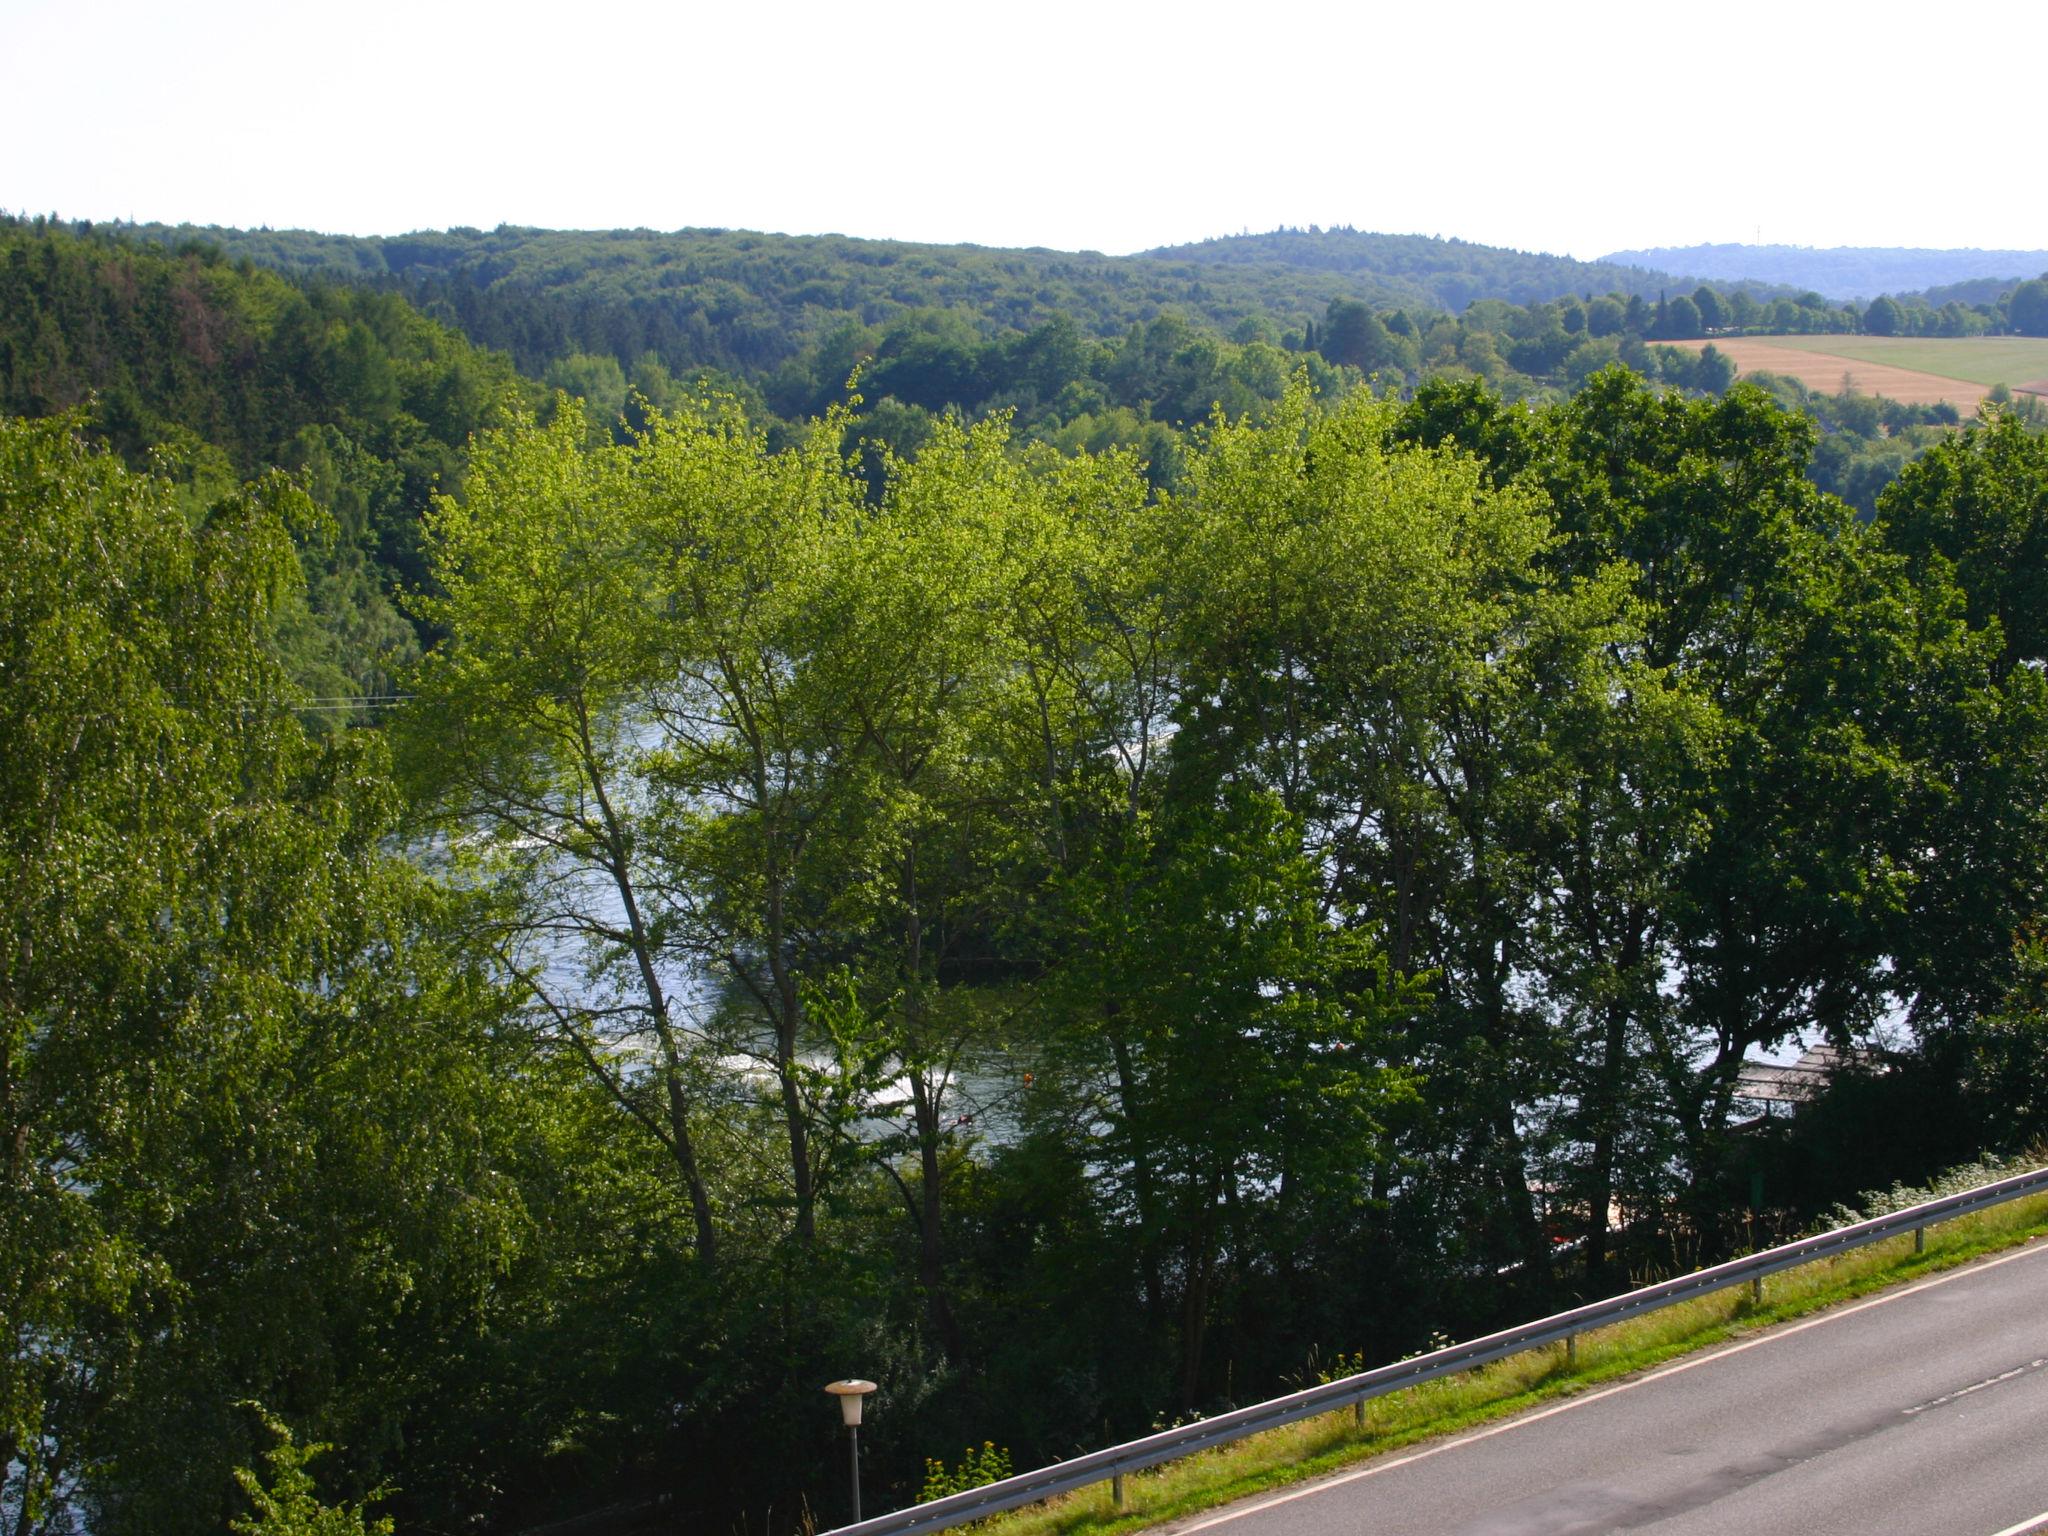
point(1922, 1410)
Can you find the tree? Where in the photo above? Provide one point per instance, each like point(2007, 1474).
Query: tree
point(130, 643)
point(1572, 765)
point(1976, 505)
point(527, 733)
point(2027, 310)
point(288, 1504)
point(1680, 319)
point(1970, 519)
point(1716, 371)
point(1765, 593)
point(1353, 335)
point(234, 1030)
point(1389, 715)
point(1884, 317)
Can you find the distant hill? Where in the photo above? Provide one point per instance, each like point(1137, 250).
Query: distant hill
point(746, 302)
point(1846, 272)
point(1976, 290)
point(1452, 273)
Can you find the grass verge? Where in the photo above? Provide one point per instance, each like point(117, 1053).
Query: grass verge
point(1324, 1444)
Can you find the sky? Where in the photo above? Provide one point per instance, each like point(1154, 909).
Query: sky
point(1576, 128)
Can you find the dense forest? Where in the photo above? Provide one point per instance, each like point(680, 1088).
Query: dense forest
point(784, 323)
point(545, 923)
point(217, 372)
point(763, 284)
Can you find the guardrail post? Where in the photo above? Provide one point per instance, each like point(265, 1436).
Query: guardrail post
point(1756, 1291)
point(1571, 1351)
point(1116, 1492)
point(1919, 1239)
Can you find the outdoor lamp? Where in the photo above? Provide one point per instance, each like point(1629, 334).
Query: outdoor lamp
point(850, 1394)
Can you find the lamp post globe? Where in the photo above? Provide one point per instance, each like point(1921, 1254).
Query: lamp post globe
point(851, 1393)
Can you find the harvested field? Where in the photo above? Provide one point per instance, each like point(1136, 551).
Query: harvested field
point(1832, 372)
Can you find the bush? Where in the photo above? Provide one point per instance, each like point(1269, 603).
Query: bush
point(289, 1506)
point(977, 1469)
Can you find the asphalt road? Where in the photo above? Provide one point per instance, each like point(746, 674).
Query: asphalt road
point(1923, 1410)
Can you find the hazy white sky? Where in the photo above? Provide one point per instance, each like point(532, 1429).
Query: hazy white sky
point(1575, 127)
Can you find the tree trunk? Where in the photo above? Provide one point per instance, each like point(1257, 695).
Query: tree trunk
point(1606, 1141)
point(1194, 1301)
point(927, 1102)
point(1142, 1187)
point(685, 1150)
point(788, 1017)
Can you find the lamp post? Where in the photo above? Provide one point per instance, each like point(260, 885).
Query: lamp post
point(850, 1394)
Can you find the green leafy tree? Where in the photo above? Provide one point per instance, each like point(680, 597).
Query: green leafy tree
point(1679, 319)
point(1355, 336)
point(1362, 706)
point(1760, 589)
point(234, 1030)
point(1969, 519)
point(1884, 317)
point(132, 646)
point(2027, 310)
point(1975, 507)
point(526, 734)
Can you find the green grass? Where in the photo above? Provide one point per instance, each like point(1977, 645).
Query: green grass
point(1331, 1441)
point(1976, 360)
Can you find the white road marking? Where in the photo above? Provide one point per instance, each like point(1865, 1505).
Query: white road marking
point(1975, 1386)
point(1377, 1467)
point(2027, 1526)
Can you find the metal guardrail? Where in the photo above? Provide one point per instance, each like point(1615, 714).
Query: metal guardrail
point(1171, 1444)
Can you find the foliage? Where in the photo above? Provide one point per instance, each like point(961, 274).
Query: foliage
point(1871, 1203)
point(287, 1502)
point(256, 1132)
point(2027, 308)
point(367, 402)
point(1090, 353)
point(977, 1468)
point(2006, 1053)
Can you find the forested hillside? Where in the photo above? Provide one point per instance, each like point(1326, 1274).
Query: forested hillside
point(1450, 273)
point(329, 368)
point(1086, 351)
point(1284, 277)
point(233, 370)
point(1848, 272)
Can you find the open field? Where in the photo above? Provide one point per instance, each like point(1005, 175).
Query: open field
point(1831, 372)
point(1985, 360)
point(1912, 369)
